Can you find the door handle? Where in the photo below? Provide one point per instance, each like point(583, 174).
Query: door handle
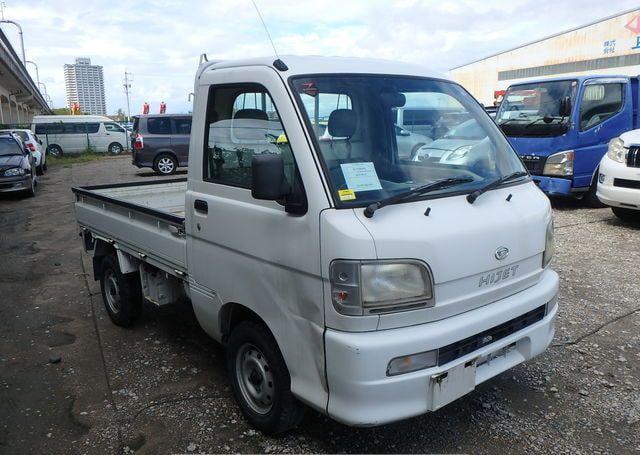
point(201, 206)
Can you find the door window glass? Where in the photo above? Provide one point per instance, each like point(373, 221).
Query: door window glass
point(113, 127)
point(242, 121)
point(159, 125)
point(599, 102)
point(182, 125)
point(92, 127)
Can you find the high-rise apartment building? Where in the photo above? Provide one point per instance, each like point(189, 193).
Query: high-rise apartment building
point(85, 85)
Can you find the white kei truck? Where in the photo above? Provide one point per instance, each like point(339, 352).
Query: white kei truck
point(336, 274)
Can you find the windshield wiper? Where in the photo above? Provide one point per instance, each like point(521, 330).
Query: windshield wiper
point(471, 197)
point(546, 119)
point(437, 185)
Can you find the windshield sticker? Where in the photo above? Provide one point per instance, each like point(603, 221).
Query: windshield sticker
point(361, 176)
point(347, 195)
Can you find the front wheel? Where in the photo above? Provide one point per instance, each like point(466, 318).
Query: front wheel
point(31, 191)
point(591, 198)
point(115, 148)
point(626, 214)
point(122, 294)
point(260, 379)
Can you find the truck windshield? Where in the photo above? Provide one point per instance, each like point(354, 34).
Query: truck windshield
point(537, 109)
point(370, 154)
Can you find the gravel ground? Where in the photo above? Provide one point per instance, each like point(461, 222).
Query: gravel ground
point(71, 382)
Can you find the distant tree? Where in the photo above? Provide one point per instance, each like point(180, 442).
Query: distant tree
point(120, 115)
point(62, 111)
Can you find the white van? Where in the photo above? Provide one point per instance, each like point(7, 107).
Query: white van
point(79, 133)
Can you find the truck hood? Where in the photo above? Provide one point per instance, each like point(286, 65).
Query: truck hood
point(539, 146)
point(459, 242)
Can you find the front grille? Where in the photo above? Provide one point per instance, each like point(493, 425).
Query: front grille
point(625, 183)
point(633, 157)
point(534, 164)
point(461, 348)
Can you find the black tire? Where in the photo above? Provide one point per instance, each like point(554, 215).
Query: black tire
point(44, 166)
point(40, 170)
point(414, 150)
point(626, 214)
point(279, 411)
point(31, 191)
point(55, 151)
point(121, 294)
point(590, 198)
point(115, 148)
point(165, 164)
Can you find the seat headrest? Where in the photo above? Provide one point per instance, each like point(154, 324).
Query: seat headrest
point(254, 114)
point(342, 123)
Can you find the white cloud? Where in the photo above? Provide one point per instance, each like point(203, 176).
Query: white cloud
point(159, 41)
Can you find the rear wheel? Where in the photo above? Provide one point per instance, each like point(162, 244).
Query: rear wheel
point(54, 150)
point(115, 148)
point(626, 214)
point(122, 294)
point(165, 164)
point(260, 379)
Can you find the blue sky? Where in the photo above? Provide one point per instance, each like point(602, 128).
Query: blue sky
point(159, 41)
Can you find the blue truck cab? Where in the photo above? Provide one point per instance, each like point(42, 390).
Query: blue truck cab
point(561, 127)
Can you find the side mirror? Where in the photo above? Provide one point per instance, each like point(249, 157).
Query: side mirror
point(267, 177)
point(26, 151)
point(565, 107)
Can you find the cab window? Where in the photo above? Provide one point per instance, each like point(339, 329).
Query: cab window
point(599, 102)
point(113, 127)
point(242, 121)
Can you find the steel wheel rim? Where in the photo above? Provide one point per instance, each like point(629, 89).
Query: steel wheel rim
point(165, 165)
point(255, 378)
point(55, 151)
point(112, 291)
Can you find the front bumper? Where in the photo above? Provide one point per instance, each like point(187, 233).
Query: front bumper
point(19, 183)
point(616, 196)
point(554, 186)
point(361, 393)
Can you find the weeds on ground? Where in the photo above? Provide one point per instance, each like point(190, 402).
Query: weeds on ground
point(77, 158)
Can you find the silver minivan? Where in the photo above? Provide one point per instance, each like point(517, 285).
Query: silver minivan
point(62, 134)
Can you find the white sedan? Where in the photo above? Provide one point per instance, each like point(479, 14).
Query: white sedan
point(619, 176)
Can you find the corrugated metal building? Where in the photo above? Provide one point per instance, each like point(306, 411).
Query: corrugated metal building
point(607, 46)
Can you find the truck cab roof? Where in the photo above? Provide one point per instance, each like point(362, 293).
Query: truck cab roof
point(303, 65)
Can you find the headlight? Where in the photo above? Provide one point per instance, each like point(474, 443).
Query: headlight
point(560, 164)
point(459, 153)
point(617, 151)
point(363, 287)
point(14, 171)
point(549, 245)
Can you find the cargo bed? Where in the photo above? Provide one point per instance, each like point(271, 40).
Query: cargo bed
point(144, 219)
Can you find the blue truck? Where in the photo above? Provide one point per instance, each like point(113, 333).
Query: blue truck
point(561, 128)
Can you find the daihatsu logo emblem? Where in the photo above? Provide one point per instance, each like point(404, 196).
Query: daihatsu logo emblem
point(502, 253)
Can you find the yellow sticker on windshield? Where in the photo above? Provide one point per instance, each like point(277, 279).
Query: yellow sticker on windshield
point(347, 195)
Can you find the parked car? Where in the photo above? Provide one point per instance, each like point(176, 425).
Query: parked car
point(17, 166)
point(369, 288)
point(34, 144)
point(560, 127)
point(454, 144)
point(619, 176)
point(67, 134)
point(161, 142)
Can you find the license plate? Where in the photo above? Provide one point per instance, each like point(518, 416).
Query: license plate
point(451, 384)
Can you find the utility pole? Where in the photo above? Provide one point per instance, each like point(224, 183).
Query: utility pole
point(127, 86)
